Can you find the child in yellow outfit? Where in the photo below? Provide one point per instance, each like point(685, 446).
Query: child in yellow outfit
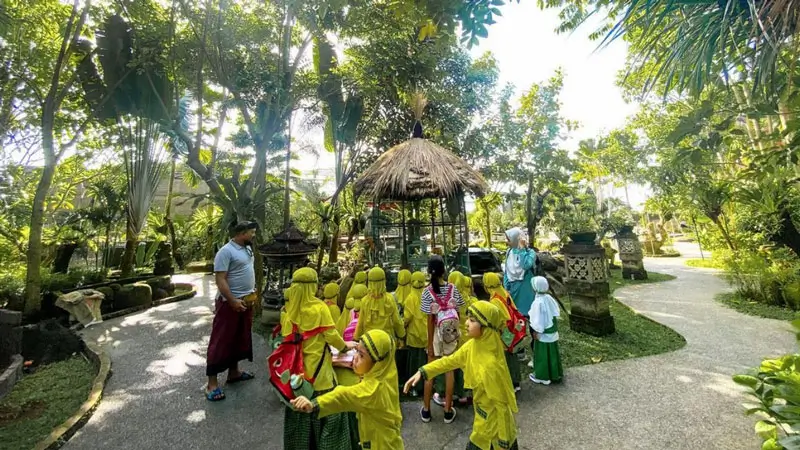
point(416, 323)
point(359, 280)
point(486, 373)
point(403, 289)
point(503, 301)
point(305, 312)
point(378, 308)
point(376, 400)
point(352, 308)
point(331, 294)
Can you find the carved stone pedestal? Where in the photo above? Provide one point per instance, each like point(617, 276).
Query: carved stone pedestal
point(586, 282)
point(630, 253)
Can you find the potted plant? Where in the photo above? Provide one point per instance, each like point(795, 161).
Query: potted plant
point(580, 222)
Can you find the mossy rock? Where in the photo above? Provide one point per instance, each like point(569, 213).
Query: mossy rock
point(159, 294)
point(133, 295)
point(115, 287)
point(162, 282)
point(200, 267)
point(108, 292)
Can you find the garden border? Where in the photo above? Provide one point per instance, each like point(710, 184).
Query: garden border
point(133, 309)
point(61, 434)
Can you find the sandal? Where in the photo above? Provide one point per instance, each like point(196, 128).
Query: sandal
point(215, 395)
point(243, 377)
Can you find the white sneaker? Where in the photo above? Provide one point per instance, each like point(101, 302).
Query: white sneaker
point(451, 414)
point(438, 399)
point(517, 389)
point(536, 380)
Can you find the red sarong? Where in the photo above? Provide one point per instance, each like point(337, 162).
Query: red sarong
point(231, 339)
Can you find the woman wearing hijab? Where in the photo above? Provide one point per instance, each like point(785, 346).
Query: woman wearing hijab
point(544, 315)
point(485, 372)
point(519, 270)
point(500, 298)
point(304, 312)
point(376, 400)
point(330, 296)
point(378, 308)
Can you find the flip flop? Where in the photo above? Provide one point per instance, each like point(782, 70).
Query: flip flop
point(215, 395)
point(243, 377)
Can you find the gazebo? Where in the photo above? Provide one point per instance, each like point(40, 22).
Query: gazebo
point(417, 191)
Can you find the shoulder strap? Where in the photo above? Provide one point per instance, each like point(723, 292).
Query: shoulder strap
point(321, 361)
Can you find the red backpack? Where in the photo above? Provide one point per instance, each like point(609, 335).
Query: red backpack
point(286, 360)
point(515, 327)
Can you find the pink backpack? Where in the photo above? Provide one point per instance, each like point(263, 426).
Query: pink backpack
point(446, 311)
point(351, 327)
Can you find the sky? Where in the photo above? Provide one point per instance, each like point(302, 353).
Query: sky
point(528, 51)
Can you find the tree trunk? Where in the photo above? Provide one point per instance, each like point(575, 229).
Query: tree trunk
point(488, 226)
point(129, 257)
point(333, 255)
point(724, 232)
point(33, 277)
point(176, 255)
point(531, 225)
point(287, 188)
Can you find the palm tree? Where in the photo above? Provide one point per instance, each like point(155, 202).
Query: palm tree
point(145, 154)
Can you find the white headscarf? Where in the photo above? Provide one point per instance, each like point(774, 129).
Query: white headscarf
point(514, 270)
point(544, 306)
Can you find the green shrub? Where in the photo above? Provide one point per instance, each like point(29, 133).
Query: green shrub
point(769, 276)
point(12, 290)
point(131, 295)
point(776, 388)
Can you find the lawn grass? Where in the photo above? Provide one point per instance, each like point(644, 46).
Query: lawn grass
point(707, 263)
point(43, 400)
point(735, 301)
point(635, 335)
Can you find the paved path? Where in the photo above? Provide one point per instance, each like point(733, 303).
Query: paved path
point(680, 400)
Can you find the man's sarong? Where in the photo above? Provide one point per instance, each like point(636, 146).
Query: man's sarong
point(231, 339)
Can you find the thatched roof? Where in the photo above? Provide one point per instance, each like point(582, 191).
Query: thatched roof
point(417, 169)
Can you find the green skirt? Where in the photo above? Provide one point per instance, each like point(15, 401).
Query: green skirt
point(401, 360)
point(471, 446)
point(547, 362)
point(513, 368)
point(415, 358)
point(303, 431)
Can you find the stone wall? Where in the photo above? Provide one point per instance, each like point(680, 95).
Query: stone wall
point(10, 349)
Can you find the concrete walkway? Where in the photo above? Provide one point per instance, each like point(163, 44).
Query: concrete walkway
point(680, 400)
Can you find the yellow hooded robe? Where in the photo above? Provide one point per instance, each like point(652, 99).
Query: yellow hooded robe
point(307, 312)
point(416, 321)
point(485, 372)
point(378, 308)
point(360, 279)
point(353, 304)
point(403, 287)
point(330, 296)
point(376, 400)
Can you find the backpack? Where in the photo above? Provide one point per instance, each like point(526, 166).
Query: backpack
point(515, 329)
point(350, 330)
point(446, 312)
point(286, 361)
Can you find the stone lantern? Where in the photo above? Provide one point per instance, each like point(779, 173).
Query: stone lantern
point(630, 253)
point(586, 282)
point(288, 251)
